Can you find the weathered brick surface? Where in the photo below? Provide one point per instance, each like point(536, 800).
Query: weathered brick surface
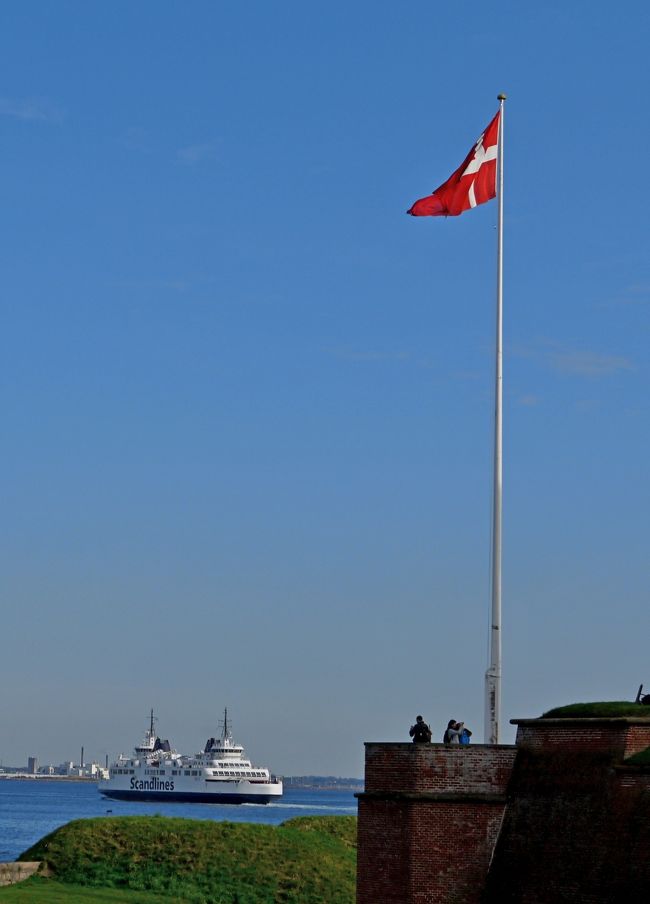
point(425, 852)
point(383, 852)
point(428, 821)
point(619, 737)
point(577, 823)
point(435, 767)
point(434, 825)
point(637, 738)
point(451, 846)
point(574, 831)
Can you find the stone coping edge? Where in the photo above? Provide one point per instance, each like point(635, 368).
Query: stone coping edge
point(433, 796)
point(14, 871)
point(612, 721)
point(439, 745)
point(19, 863)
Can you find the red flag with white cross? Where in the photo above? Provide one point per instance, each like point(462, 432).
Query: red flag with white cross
point(473, 183)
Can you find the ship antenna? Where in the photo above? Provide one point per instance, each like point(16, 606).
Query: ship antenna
point(225, 727)
point(152, 721)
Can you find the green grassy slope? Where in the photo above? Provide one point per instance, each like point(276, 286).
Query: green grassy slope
point(609, 709)
point(311, 860)
point(46, 891)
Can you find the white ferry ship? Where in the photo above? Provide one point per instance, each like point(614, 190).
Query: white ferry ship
point(218, 774)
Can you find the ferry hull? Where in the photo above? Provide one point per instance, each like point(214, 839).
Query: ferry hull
point(193, 797)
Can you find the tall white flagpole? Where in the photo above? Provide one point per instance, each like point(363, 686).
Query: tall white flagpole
point(493, 674)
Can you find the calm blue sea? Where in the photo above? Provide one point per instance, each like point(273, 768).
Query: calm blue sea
point(31, 809)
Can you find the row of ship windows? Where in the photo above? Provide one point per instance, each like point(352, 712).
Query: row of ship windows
point(253, 773)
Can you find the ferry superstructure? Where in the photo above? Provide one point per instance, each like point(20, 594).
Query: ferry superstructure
point(218, 774)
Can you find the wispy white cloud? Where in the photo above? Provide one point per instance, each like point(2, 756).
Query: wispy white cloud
point(587, 405)
point(635, 294)
point(136, 139)
point(572, 361)
point(30, 110)
point(369, 356)
point(463, 375)
point(587, 364)
point(167, 285)
point(197, 153)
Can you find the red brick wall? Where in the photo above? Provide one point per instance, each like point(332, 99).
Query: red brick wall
point(637, 738)
point(383, 851)
point(574, 835)
point(428, 821)
point(454, 843)
point(478, 768)
point(577, 824)
point(576, 827)
point(619, 737)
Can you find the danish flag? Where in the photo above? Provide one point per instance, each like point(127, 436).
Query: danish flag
point(474, 182)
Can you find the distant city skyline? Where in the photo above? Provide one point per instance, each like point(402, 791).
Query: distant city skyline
point(91, 768)
point(247, 401)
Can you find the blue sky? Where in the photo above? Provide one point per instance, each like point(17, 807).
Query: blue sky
point(246, 402)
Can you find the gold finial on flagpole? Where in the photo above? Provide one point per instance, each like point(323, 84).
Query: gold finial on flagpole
point(501, 96)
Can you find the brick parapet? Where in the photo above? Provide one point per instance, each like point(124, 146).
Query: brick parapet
point(475, 769)
point(619, 737)
point(432, 796)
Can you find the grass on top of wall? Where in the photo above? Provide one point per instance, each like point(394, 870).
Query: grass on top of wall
point(610, 709)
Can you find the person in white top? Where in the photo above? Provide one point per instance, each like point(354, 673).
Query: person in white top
point(453, 732)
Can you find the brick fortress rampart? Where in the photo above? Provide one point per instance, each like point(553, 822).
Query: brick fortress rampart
point(557, 817)
point(428, 820)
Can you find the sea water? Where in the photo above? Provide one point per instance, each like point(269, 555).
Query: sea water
point(30, 809)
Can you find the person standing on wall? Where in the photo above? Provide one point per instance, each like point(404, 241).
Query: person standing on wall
point(454, 732)
point(420, 732)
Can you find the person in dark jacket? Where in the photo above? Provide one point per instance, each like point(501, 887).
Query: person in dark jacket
point(420, 732)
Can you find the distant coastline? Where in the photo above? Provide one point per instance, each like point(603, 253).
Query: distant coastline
point(323, 782)
point(317, 782)
point(36, 776)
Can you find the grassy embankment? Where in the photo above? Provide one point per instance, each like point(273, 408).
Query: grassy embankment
point(47, 891)
point(608, 709)
point(311, 860)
